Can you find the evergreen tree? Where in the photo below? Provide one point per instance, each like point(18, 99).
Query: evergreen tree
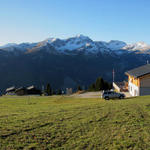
point(48, 89)
point(106, 85)
point(110, 86)
point(59, 92)
point(99, 84)
point(54, 92)
point(92, 87)
point(79, 88)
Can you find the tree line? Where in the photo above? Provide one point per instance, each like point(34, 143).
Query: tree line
point(99, 85)
point(49, 91)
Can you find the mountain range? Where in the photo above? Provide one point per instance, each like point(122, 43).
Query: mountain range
point(68, 62)
point(80, 43)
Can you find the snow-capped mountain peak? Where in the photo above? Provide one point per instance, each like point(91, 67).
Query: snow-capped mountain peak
point(115, 44)
point(141, 46)
point(8, 45)
point(80, 43)
point(51, 40)
point(21, 47)
point(72, 43)
point(82, 37)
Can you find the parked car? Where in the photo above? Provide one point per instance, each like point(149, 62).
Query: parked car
point(112, 95)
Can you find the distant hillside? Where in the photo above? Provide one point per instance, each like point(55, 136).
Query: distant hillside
point(67, 63)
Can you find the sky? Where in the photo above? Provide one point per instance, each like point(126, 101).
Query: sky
point(101, 20)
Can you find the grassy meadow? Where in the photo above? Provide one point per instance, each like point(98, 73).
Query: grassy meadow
point(59, 122)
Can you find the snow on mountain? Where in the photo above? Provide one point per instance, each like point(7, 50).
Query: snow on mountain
point(72, 43)
point(21, 47)
point(115, 45)
point(8, 45)
point(56, 42)
point(26, 45)
point(141, 46)
point(80, 43)
point(76, 42)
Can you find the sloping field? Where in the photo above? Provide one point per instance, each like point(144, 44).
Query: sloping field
point(68, 123)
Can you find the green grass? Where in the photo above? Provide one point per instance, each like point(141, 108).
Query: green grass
point(67, 123)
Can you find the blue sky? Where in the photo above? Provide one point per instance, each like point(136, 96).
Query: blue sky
point(36, 20)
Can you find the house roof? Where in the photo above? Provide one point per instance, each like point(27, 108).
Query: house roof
point(21, 88)
point(10, 89)
point(30, 87)
point(140, 71)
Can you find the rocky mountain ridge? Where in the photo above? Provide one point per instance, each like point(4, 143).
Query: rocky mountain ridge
point(80, 43)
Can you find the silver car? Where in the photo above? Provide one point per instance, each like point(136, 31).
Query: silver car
point(112, 95)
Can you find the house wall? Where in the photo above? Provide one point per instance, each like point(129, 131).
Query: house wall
point(139, 86)
point(133, 89)
point(145, 85)
point(133, 80)
point(145, 81)
point(144, 91)
point(34, 91)
point(11, 93)
point(21, 92)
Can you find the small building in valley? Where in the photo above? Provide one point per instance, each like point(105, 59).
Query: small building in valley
point(32, 90)
point(11, 91)
point(139, 80)
point(68, 91)
point(21, 91)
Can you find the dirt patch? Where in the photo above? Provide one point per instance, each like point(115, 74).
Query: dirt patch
point(87, 95)
point(93, 95)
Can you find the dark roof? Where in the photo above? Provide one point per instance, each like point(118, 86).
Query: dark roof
point(21, 88)
point(140, 71)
